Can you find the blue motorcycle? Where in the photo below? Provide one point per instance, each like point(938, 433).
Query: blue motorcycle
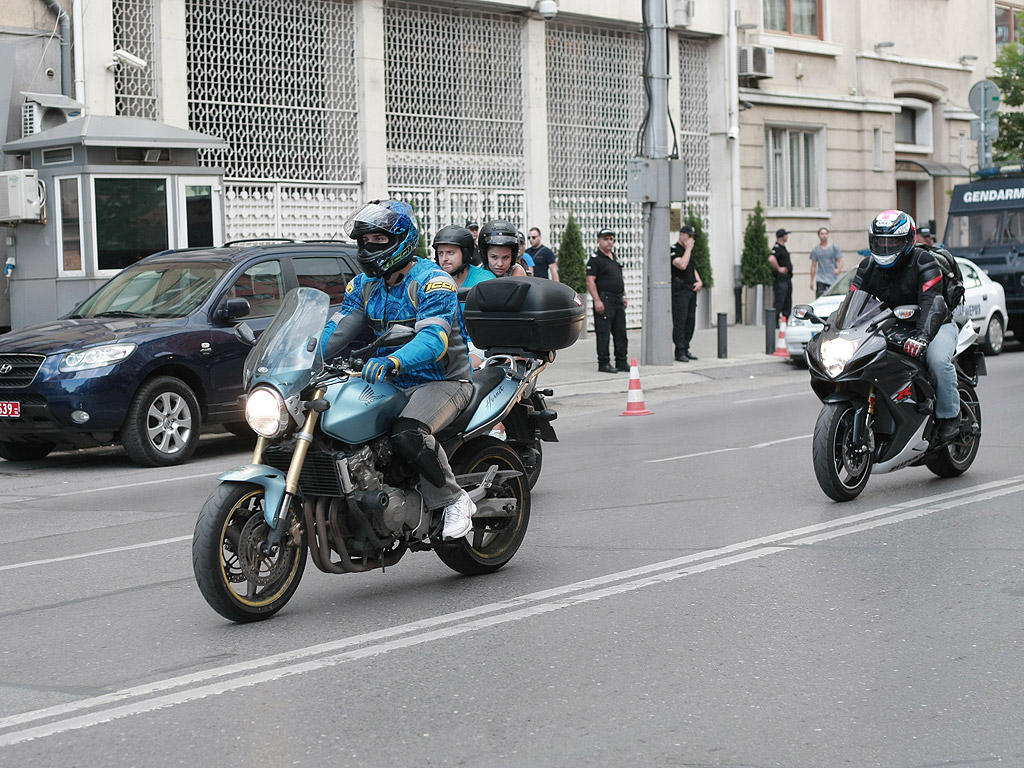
point(324, 475)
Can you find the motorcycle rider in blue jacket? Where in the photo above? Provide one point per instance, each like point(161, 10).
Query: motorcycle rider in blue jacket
point(397, 288)
point(898, 273)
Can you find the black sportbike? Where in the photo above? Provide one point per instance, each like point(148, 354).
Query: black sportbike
point(878, 412)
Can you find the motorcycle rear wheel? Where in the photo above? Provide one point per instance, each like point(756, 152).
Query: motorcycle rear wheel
point(956, 458)
point(237, 580)
point(494, 540)
point(841, 473)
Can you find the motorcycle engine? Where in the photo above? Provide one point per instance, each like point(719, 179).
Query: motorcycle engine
point(392, 511)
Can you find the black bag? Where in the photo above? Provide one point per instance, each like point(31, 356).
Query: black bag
point(952, 278)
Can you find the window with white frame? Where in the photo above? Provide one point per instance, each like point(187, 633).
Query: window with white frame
point(69, 220)
point(794, 167)
point(913, 126)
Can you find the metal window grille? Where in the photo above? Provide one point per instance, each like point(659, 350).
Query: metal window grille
point(595, 103)
point(277, 81)
point(694, 127)
point(135, 93)
point(453, 101)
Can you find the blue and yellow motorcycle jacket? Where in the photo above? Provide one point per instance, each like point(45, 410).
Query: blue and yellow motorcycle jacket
point(426, 300)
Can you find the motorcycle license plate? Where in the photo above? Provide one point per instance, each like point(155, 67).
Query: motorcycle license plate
point(10, 409)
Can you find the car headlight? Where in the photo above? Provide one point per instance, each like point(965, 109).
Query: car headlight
point(835, 354)
point(95, 357)
point(265, 412)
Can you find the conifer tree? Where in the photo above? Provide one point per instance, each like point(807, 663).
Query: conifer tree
point(572, 260)
point(754, 266)
point(700, 254)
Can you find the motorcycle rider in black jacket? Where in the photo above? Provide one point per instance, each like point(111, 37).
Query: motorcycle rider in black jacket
point(898, 273)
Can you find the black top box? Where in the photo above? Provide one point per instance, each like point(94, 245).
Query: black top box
point(524, 313)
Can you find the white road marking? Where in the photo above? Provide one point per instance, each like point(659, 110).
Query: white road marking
point(173, 691)
point(125, 548)
point(133, 485)
point(726, 450)
point(766, 397)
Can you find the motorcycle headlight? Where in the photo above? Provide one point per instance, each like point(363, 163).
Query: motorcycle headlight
point(835, 354)
point(265, 412)
point(95, 357)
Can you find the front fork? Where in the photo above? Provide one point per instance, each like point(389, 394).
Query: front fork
point(303, 440)
point(862, 417)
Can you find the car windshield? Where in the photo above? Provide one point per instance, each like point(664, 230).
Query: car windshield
point(288, 353)
point(155, 290)
point(976, 230)
point(842, 286)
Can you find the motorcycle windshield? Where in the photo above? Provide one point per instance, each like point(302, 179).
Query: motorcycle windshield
point(858, 307)
point(288, 355)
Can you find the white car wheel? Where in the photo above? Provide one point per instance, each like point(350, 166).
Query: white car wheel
point(994, 336)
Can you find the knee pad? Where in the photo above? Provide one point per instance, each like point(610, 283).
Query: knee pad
point(407, 437)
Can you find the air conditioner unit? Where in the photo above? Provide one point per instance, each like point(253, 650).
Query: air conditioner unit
point(43, 111)
point(21, 196)
point(757, 61)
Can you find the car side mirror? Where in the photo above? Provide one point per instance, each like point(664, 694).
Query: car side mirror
point(244, 333)
point(233, 308)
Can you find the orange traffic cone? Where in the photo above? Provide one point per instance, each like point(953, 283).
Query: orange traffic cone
point(780, 340)
point(635, 397)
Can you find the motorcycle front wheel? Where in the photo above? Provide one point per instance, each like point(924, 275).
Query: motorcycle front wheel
point(238, 580)
point(954, 459)
point(842, 473)
point(493, 541)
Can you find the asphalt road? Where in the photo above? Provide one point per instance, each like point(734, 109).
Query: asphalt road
point(686, 596)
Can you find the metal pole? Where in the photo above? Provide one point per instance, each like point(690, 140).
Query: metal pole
point(723, 335)
point(771, 321)
point(657, 310)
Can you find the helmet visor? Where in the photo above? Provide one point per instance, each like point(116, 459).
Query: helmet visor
point(376, 216)
point(884, 246)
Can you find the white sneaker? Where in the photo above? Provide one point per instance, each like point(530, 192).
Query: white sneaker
point(458, 517)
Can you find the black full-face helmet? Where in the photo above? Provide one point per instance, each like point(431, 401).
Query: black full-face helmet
point(458, 236)
point(499, 232)
point(389, 217)
point(891, 236)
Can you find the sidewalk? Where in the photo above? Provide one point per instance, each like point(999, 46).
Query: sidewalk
point(574, 371)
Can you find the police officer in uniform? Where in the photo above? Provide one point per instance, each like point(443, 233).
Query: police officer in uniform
point(686, 284)
point(782, 275)
point(608, 290)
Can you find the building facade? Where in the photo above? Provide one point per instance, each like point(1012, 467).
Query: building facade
point(476, 109)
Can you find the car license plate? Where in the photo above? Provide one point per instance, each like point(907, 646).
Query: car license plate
point(10, 409)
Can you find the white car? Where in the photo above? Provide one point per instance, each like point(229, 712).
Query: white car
point(984, 303)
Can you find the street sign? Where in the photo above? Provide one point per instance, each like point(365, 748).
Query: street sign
point(991, 128)
point(984, 98)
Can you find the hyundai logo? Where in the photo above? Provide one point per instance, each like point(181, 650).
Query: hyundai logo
point(5, 368)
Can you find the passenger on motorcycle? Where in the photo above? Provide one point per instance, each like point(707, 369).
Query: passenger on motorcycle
point(900, 273)
point(454, 250)
point(399, 289)
point(499, 249)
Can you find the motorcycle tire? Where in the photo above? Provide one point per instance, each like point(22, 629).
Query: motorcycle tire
point(494, 540)
point(954, 459)
point(242, 584)
point(841, 474)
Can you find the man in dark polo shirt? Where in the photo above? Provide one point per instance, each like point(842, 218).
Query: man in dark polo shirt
point(608, 290)
point(782, 275)
point(686, 284)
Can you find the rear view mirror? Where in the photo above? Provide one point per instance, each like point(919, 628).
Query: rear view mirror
point(804, 312)
point(906, 311)
point(244, 333)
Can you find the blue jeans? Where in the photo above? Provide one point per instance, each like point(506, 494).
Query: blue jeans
point(939, 357)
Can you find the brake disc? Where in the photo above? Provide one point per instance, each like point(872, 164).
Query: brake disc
point(258, 568)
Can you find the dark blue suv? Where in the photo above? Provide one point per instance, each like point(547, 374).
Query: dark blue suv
point(151, 356)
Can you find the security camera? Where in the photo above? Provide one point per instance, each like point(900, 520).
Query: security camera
point(547, 9)
point(122, 56)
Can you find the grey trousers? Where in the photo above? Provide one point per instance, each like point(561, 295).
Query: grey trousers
point(436, 404)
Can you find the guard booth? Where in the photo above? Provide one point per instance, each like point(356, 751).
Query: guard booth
point(107, 191)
